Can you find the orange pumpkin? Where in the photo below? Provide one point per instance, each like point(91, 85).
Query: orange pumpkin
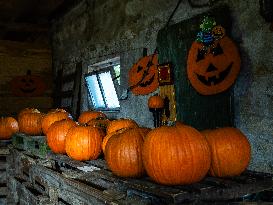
point(56, 135)
point(216, 70)
point(53, 116)
point(176, 155)
point(123, 153)
point(30, 122)
point(118, 124)
point(83, 142)
point(143, 76)
point(8, 126)
point(155, 102)
point(231, 151)
point(28, 85)
point(89, 115)
point(108, 136)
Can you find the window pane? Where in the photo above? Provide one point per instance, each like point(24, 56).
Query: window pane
point(94, 90)
point(117, 72)
point(109, 90)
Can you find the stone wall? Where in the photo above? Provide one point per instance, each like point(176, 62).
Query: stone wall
point(16, 58)
point(100, 29)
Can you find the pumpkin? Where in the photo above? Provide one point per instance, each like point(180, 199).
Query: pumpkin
point(155, 102)
point(56, 135)
point(176, 155)
point(108, 136)
point(123, 153)
point(118, 124)
point(231, 151)
point(99, 122)
point(143, 76)
point(28, 85)
point(30, 122)
point(53, 116)
point(215, 70)
point(8, 126)
point(26, 110)
point(89, 115)
point(83, 142)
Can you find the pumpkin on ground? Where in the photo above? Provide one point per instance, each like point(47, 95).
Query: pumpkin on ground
point(176, 155)
point(231, 151)
point(99, 122)
point(83, 142)
point(155, 102)
point(53, 116)
point(30, 122)
point(89, 115)
point(8, 126)
point(123, 153)
point(56, 135)
point(118, 124)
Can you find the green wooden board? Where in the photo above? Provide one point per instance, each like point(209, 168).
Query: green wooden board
point(173, 43)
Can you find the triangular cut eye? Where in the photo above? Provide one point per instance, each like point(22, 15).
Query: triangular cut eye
point(200, 55)
point(139, 68)
point(217, 50)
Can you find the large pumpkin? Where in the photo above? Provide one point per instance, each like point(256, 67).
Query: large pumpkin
point(30, 122)
point(28, 85)
point(176, 155)
point(118, 124)
point(214, 70)
point(231, 151)
point(123, 153)
point(143, 76)
point(56, 135)
point(89, 115)
point(83, 142)
point(8, 126)
point(53, 116)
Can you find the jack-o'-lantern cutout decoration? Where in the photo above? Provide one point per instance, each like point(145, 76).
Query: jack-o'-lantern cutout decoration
point(28, 85)
point(143, 76)
point(213, 70)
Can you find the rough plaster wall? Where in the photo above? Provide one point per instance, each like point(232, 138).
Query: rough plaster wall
point(100, 29)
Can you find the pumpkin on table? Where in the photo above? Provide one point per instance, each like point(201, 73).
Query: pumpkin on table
point(231, 151)
point(123, 152)
point(89, 115)
point(118, 124)
point(53, 116)
point(30, 122)
point(56, 135)
point(83, 142)
point(155, 102)
point(176, 155)
point(8, 126)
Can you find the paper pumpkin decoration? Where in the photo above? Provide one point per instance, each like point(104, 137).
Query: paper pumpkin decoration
point(214, 69)
point(28, 85)
point(143, 76)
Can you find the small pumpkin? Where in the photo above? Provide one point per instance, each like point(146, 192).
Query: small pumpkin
point(56, 135)
point(231, 151)
point(155, 102)
point(8, 126)
point(123, 153)
point(143, 76)
point(53, 116)
point(28, 85)
point(30, 122)
point(83, 142)
point(89, 115)
point(215, 70)
point(176, 155)
point(118, 124)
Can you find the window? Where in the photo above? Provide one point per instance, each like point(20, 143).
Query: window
point(101, 83)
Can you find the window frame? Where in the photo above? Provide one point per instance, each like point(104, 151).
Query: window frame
point(97, 73)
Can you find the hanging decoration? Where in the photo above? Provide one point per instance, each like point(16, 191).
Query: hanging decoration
point(28, 85)
point(143, 76)
point(213, 60)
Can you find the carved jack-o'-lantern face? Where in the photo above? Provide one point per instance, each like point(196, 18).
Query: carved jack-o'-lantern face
point(28, 85)
point(143, 76)
point(215, 70)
